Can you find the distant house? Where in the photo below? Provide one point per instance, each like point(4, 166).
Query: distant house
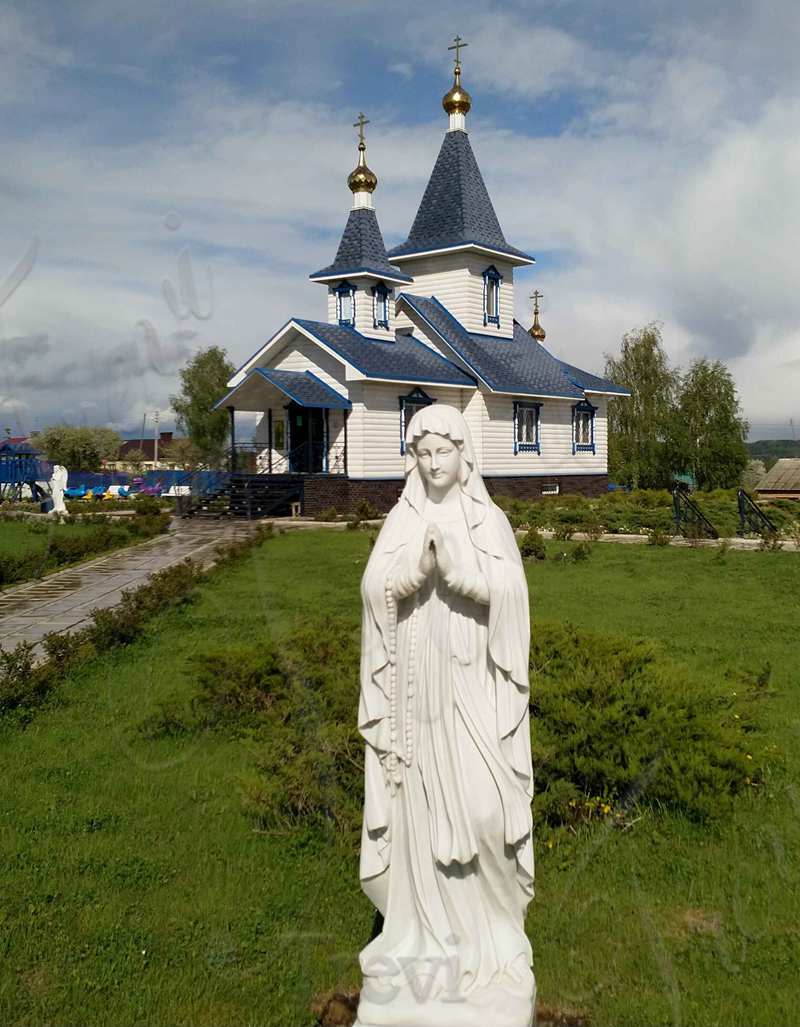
point(148, 447)
point(782, 481)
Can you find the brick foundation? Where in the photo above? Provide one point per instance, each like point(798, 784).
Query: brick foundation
point(322, 493)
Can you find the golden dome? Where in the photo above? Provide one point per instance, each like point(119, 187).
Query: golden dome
point(536, 329)
point(457, 100)
point(362, 179)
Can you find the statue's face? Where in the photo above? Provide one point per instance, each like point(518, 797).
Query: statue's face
point(438, 460)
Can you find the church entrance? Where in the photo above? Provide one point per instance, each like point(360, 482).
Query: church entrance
point(306, 439)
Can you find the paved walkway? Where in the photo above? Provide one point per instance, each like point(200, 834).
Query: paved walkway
point(64, 601)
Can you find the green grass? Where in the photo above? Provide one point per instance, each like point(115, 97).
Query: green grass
point(135, 891)
point(16, 536)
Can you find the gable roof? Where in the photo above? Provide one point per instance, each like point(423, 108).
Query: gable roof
point(456, 210)
point(402, 358)
point(304, 387)
point(783, 476)
point(520, 365)
point(361, 251)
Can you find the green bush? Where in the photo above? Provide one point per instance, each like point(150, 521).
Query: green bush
point(616, 719)
point(532, 546)
point(614, 723)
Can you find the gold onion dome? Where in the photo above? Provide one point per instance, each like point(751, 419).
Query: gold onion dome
point(536, 329)
point(362, 179)
point(457, 100)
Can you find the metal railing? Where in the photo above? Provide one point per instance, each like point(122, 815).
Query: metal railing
point(307, 458)
point(690, 521)
point(752, 518)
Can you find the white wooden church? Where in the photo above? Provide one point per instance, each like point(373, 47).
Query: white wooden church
point(430, 321)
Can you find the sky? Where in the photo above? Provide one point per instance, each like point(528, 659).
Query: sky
point(172, 173)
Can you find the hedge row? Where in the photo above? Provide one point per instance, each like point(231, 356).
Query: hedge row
point(638, 512)
point(26, 682)
point(100, 536)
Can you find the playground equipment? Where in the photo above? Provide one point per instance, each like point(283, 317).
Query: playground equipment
point(22, 474)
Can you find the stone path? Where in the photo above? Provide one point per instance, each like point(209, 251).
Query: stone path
point(64, 601)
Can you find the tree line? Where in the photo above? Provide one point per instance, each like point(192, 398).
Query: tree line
point(675, 422)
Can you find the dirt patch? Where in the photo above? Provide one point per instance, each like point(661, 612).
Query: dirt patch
point(694, 920)
point(339, 1008)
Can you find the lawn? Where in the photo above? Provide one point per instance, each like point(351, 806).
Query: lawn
point(136, 891)
point(20, 537)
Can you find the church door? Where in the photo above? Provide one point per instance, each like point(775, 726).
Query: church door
point(306, 439)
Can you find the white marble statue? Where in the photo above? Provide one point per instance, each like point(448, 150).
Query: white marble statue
point(58, 483)
point(446, 851)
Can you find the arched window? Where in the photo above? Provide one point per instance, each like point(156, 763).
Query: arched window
point(491, 296)
point(346, 304)
point(380, 306)
point(526, 427)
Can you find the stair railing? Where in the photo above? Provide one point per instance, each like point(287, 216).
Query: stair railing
point(752, 518)
point(690, 520)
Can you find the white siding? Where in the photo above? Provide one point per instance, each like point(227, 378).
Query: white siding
point(456, 280)
point(556, 455)
point(373, 430)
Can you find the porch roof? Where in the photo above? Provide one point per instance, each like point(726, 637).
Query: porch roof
point(303, 387)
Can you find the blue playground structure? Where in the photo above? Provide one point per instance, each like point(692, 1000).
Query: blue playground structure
point(21, 471)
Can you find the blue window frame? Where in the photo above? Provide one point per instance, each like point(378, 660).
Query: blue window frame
point(527, 437)
point(583, 427)
point(416, 400)
point(380, 306)
point(491, 296)
point(346, 304)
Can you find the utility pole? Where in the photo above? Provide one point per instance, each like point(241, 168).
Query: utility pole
point(155, 440)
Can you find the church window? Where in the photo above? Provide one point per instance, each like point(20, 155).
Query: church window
point(380, 306)
point(416, 400)
point(346, 304)
point(491, 296)
point(526, 427)
point(583, 427)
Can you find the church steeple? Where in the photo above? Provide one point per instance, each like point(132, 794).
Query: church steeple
point(536, 329)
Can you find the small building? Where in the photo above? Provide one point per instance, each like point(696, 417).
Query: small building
point(429, 321)
point(155, 458)
point(782, 480)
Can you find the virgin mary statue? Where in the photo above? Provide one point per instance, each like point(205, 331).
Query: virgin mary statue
point(446, 850)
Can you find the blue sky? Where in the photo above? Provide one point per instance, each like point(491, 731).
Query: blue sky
point(646, 153)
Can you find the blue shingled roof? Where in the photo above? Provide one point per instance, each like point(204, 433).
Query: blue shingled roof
point(362, 250)
point(518, 365)
point(455, 208)
point(304, 387)
point(403, 358)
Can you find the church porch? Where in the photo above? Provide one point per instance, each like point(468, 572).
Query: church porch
point(301, 428)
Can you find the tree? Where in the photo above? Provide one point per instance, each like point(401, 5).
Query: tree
point(640, 428)
point(182, 453)
point(753, 473)
point(203, 382)
point(79, 449)
point(134, 458)
point(710, 432)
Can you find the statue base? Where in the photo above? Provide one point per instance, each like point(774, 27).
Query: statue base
point(495, 1006)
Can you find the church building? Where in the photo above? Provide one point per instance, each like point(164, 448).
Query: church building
point(429, 321)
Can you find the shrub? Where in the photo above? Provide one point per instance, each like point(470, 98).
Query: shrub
point(147, 506)
point(614, 722)
point(331, 514)
point(657, 537)
point(617, 719)
point(532, 546)
point(581, 552)
point(365, 511)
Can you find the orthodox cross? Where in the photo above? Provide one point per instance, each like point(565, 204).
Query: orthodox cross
point(362, 121)
point(536, 296)
point(458, 46)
